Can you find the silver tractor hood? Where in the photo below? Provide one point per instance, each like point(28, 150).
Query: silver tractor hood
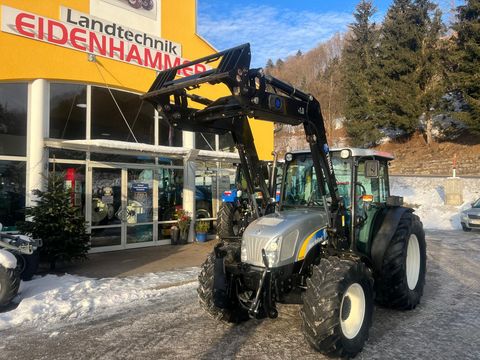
point(286, 236)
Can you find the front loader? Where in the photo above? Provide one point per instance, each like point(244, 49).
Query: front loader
point(330, 244)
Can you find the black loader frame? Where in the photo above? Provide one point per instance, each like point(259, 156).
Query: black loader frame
point(253, 94)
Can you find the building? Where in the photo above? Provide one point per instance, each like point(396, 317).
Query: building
point(70, 76)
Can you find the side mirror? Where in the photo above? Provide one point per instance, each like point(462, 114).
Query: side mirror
point(372, 168)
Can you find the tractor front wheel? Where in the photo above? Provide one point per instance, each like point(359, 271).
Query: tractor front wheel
point(205, 296)
point(338, 307)
point(399, 284)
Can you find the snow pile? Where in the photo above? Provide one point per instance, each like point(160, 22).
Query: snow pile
point(52, 299)
point(427, 197)
point(7, 260)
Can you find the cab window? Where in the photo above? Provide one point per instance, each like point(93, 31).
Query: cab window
point(378, 187)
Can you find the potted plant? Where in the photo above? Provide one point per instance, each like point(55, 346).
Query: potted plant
point(183, 222)
point(201, 228)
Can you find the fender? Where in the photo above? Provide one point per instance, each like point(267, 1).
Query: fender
point(384, 235)
point(7, 259)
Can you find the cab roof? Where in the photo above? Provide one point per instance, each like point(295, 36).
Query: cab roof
point(356, 152)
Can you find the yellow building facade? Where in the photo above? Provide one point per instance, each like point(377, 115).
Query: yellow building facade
point(70, 76)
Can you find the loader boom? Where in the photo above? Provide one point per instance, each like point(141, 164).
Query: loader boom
point(254, 95)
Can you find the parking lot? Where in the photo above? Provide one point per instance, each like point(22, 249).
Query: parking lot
point(445, 325)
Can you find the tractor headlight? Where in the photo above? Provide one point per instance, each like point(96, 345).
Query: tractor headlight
point(243, 252)
point(464, 216)
point(272, 251)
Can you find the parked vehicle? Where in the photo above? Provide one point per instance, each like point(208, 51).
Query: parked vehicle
point(327, 252)
point(470, 218)
point(25, 252)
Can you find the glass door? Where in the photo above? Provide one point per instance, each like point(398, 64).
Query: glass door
point(106, 208)
point(139, 206)
point(121, 208)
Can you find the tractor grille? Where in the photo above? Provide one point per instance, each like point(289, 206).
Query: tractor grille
point(474, 225)
point(472, 216)
point(254, 246)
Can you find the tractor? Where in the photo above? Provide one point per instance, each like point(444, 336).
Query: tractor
point(335, 243)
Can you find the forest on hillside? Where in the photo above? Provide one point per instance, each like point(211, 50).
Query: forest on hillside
point(414, 71)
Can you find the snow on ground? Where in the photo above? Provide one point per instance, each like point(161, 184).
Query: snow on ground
point(427, 196)
point(68, 298)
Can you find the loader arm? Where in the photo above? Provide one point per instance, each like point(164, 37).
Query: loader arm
point(254, 95)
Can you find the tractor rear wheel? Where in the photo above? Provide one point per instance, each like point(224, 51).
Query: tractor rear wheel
point(229, 220)
point(205, 296)
point(9, 284)
point(399, 284)
point(338, 307)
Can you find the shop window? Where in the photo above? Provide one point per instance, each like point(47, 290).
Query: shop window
point(121, 158)
point(169, 136)
point(106, 237)
point(205, 185)
point(205, 141)
point(170, 188)
point(74, 177)
point(68, 111)
point(13, 119)
point(12, 193)
point(108, 123)
point(55, 153)
point(226, 143)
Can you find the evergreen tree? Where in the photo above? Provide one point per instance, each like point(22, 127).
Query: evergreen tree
point(358, 62)
point(279, 63)
point(269, 65)
point(57, 222)
point(432, 65)
point(466, 61)
point(399, 56)
point(299, 53)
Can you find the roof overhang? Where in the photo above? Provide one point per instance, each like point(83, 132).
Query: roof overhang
point(139, 149)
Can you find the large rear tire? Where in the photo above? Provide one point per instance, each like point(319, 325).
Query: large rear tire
point(338, 307)
point(205, 295)
point(229, 221)
point(9, 284)
point(400, 283)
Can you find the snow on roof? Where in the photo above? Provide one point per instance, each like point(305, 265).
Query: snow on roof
point(131, 148)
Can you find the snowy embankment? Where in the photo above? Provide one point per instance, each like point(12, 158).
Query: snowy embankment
point(427, 196)
point(65, 299)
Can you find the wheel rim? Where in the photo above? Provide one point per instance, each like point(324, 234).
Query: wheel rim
point(352, 311)
point(413, 261)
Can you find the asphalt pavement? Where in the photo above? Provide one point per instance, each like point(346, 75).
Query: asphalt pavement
point(445, 325)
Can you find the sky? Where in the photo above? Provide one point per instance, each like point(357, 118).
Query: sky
point(277, 29)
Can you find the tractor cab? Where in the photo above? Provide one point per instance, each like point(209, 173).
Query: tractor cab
point(363, 186)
